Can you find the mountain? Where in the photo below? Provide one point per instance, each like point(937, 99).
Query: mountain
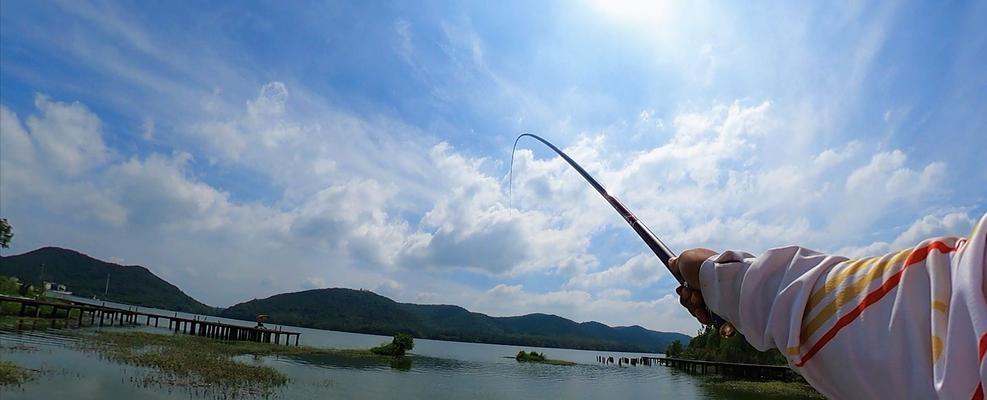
point(86, 276)
point(335, 309)
point(366, 312)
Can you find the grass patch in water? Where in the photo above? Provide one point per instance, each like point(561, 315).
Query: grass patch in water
point(11, 374)
point(522, 356)
point(199, 362)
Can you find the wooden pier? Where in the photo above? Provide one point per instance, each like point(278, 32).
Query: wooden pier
point(740, 370)
point(104, 315)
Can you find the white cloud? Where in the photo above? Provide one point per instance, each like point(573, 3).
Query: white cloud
point(702, 188)
point(641, 270)
point(886, 176)
point(663, 313)
point(957, 223)
point(830, 158)
point(67, 136)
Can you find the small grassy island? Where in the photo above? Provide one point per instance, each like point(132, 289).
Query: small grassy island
point(11, 374)
point(401, 343)
point(536, 357)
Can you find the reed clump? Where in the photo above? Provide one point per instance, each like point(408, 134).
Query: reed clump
point(11, 374)
point(195, 361)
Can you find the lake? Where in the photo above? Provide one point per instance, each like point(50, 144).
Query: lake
point(439, 370)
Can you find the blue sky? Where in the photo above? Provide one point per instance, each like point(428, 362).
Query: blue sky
point(242, 150)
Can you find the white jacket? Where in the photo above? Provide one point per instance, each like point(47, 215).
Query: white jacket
point(908, 325)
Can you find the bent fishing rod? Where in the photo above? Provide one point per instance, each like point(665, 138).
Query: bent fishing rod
point(655, 244)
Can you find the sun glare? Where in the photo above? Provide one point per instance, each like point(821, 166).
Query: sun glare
point(642, 11)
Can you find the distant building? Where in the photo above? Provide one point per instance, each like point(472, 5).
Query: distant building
point(56, 287)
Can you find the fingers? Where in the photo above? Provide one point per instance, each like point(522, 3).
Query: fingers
point(687, 266)
point(693, 301)
point(688, 263)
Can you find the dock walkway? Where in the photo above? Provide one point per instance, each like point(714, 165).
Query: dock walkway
point(741, 370)
point(113, 315)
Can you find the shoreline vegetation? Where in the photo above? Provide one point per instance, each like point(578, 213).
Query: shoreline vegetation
point(762, 389)
point(536, 357)
point(709, 345)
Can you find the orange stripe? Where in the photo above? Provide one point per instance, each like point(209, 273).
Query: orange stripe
point(978, 394)
point(850, 293)
point(917, 256)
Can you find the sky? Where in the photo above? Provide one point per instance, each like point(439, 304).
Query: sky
point(240, 150)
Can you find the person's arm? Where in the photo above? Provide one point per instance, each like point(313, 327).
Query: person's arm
point(763, 296)
point(854, 328)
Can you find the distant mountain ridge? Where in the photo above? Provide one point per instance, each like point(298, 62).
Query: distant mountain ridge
point(367, 312)
point(86, 277)
point(335, 309)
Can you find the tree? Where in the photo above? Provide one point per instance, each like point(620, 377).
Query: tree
point(6, 233)
point(401, 343)
point(404, 342)
point(674, 348)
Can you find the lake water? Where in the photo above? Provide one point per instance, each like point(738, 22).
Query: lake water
point(439, 370)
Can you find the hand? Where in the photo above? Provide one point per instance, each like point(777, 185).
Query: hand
point(687, 266)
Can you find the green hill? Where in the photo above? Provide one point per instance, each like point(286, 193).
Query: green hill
point(86, 276)
point(366, 312)
point(335, 309)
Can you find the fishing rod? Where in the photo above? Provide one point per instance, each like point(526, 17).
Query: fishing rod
point(655, 244)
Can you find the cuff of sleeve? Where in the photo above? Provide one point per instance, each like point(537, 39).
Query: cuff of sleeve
point(708, 285)
point(720, 277)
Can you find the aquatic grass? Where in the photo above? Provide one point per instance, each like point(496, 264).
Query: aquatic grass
point(194, 361)
point(763, 389)
point(199, 362)
point(11, 374)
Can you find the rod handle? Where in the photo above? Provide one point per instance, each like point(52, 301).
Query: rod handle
point(717, 320)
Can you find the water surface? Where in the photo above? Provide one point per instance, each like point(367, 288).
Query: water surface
point(438, 370)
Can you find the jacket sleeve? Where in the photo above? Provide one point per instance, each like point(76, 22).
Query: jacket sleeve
point(849, 326)
point(763, 297)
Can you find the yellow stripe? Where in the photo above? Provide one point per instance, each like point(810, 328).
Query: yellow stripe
point(976, 229)
point(938, 305)
point(851, 292)
point(936, 348)
point(793, 351)
point(834, 281)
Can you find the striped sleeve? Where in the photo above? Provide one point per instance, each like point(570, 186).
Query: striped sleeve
point(841, 323)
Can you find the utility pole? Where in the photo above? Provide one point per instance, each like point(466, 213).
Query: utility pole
point(107, 289)
point(42, 278)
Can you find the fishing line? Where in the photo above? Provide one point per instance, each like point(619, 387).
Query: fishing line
point(655, 244)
